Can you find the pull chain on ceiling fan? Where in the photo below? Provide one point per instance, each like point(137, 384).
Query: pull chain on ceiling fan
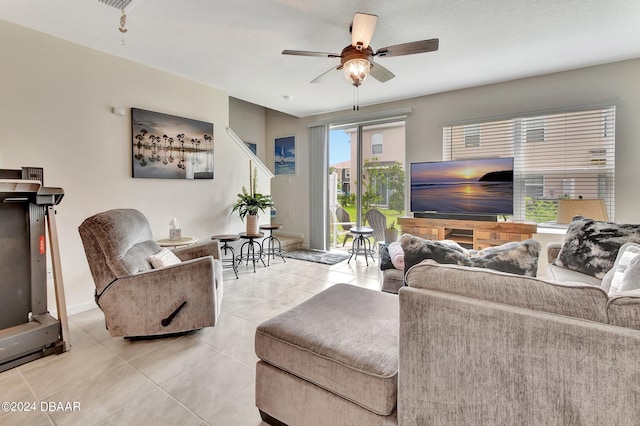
point(356, 60)
point(120, 5)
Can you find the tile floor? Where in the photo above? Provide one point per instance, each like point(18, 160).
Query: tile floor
point(203, 378)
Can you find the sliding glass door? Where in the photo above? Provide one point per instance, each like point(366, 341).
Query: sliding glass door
point(366, 171)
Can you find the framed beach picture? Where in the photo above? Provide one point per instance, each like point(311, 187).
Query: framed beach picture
point(285, 156)
point(170, 147)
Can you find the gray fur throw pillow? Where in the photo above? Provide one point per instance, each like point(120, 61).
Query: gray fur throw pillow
point(518, 257)
point(591, 246)
point(385, 259)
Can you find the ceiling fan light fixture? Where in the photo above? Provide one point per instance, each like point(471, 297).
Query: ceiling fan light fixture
point(356, 70)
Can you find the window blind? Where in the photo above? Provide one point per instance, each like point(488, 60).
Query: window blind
point(561, 155)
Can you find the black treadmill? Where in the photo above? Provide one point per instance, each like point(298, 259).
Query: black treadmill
point(27, 330)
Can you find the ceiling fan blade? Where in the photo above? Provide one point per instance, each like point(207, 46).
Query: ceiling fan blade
point(362, 29)
point(412, 48)
point(308, 53)
point(321, 77)
point(380, 73)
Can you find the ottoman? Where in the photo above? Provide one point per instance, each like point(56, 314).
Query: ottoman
point(331, 360)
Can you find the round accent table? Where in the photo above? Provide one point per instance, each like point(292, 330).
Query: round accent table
point(270, 250)
point(361, 244)
point(182, 242)
point(253, 249)
point(226, 239)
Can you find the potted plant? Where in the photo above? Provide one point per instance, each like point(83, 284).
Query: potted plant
point(391, 233)
point(249, 203)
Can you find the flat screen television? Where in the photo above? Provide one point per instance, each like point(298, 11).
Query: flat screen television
point(463, 187)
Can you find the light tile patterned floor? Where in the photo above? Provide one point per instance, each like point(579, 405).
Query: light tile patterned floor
point(205, 377)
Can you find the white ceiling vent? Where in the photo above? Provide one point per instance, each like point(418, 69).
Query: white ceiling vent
point(118, 4)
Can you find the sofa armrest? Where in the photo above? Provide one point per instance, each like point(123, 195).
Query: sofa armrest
point(208, 248)
point(470, 361)
point(552, 251)
point(136, 305)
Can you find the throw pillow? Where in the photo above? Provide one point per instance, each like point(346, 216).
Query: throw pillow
point(518, 257)
point(385, 259)
point(417, 249)
point(397, 255)
point(164, 258)
point(591, 246)
point(625, 273)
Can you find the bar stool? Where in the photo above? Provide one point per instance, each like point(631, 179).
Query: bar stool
point(360, 243)
point(251, 245)
point(226, 239)
point(271, 249)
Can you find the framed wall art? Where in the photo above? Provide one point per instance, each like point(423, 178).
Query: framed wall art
point(170, 147)
point(285, 156)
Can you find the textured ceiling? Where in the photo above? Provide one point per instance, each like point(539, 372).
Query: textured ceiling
point(236, 46)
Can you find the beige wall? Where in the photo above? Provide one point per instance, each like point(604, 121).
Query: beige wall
point(55, 113)
point(617, 82)
point(290, 192)
point(248, 121)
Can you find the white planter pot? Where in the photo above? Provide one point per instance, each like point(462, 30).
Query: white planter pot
point(252, 224)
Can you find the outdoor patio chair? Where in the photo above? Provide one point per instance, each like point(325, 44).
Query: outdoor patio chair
point(377, 221)
point(344, 220)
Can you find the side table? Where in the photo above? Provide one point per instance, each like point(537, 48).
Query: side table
point(361, 245)
point(226, 239)
point(271, 250)
point(251, 244)
point(184, 241)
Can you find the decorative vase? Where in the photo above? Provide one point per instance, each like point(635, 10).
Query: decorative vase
point(252, 224)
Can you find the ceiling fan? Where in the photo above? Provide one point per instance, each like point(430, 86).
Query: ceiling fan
point(356, 60)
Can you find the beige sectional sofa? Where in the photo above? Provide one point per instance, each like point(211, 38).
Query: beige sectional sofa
point(474, 346)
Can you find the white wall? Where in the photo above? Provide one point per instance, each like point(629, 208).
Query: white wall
point(616, 82)
point(55, 113)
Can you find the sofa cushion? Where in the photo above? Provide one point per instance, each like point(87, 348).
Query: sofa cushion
point(591, 246)
point(325, 341)
point(564, 275)
point(571, 299)
point(392, 280)
point(625, 273)
point(518, 257)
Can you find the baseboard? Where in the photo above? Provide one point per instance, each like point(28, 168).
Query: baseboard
point(289, 234)
point(75, 309)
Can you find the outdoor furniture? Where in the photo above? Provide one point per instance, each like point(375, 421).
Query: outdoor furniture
point(361, 244)
point(378, 222)
point(345, 223)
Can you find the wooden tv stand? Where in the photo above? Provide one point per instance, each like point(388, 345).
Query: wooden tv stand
point(468, 233)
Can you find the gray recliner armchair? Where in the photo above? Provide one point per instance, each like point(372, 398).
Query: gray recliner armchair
point(138, 300)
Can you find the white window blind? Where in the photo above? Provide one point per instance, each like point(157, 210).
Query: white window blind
point(560, 155)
